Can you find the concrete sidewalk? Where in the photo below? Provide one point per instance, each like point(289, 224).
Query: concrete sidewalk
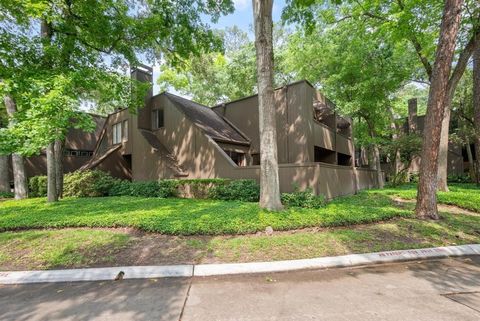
point(446, 289)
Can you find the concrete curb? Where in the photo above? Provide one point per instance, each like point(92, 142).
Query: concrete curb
point(146, 272)
point(336, 261)
point(96, 274)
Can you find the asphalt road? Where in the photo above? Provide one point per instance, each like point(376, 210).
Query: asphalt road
point(446, 289)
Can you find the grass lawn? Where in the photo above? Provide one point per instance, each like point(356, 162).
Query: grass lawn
point(118, 230)
point(43, 249)
point(466, 196)
point(69, 248)
point(189, 216)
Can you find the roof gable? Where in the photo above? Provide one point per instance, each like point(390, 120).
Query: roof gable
point(208, 120)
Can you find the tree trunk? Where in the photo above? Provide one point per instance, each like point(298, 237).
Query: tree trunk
point(442, 172)
point(378, 167)
point(4, 179)
point(52, 165)
point(269, 179)
point(371, 157)
point(376, 157)
point(52, 195)
point(397, 163)
point(59, 146)
point(471, 165)
point(18, 165)
point(427, 199)
point(457, 74)
point(476, 107)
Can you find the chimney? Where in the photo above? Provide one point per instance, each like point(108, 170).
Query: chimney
point(412, 115)
point(143, 74)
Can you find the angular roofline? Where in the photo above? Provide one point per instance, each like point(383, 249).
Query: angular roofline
point(275, 89)
point(247, 141)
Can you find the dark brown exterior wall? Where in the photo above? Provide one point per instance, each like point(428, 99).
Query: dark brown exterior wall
point(455, 159)
point(81, 140)
point(76, 139)
point(297, 131)
point(201, 157)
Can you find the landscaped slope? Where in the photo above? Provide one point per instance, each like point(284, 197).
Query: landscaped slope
point(466, 196)
point(189, 216)
point(97, 245)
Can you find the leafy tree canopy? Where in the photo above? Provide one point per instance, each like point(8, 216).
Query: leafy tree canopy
point(56, 54)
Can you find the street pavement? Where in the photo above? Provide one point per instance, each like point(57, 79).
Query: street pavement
point(447, 289)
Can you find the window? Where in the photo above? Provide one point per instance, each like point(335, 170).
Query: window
point(125, 131)
point(255, 159)
point(157, 119)
point(77, 153)
point(238, 158)
point(117, 133)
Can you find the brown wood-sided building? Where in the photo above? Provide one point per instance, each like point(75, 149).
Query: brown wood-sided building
point(79, 148)
point(173, 137)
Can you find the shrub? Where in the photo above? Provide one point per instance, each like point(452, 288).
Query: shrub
point(6, 195)
point(37, 186)
point(198, 188)
point(463, 178)
point(246, 190)
point(120, 188)
point(162, 188)
point(168, 188)
point(89, 183)
point(305, 199)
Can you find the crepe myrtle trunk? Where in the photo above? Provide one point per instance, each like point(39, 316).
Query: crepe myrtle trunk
point(18, 164)
point(427, 186)
point(4, 180)
point(269, 178)
point(58, 153)
point(52, 195)
point(476, 107)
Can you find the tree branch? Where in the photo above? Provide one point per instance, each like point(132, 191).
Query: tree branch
point(463, 61)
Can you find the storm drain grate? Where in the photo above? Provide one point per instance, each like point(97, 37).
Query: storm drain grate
point(469, 299)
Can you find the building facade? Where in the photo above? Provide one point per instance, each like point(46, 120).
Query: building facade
point(78, 150)
point(173, 137)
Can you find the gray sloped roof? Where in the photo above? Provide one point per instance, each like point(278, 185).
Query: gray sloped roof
point(208, 120)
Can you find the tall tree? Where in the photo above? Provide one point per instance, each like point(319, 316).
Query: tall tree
point(4, 172)
point(412, 20)
point(18, 163)
point(427, 186)
point(269, 179)
point(476, 107)
point(75, 56)
point(360, 70)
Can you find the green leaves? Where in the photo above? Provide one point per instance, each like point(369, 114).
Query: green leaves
point(83, 55)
